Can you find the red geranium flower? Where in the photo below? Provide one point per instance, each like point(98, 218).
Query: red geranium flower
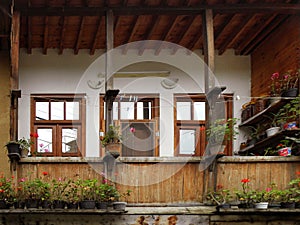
point(45, 173)
point(35, 135)
point(245, 180)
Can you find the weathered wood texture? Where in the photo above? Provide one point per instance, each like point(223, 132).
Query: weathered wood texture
point(280, 52)
point(261, 174)
point(170, 181)
point(150, 183)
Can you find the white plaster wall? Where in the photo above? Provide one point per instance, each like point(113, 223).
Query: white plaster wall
point(69, 73)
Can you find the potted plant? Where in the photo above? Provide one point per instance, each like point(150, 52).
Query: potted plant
point(21, 146)
point(87, 193)
point(121, 200)
point(220, 197)
point(6, 192)
point(58, 192)
point(222, 130)
point(72, 194)
point(111, 141)
point(245, 195)
point(105, 194)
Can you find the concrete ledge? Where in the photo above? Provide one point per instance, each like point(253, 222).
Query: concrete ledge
point(225, 159)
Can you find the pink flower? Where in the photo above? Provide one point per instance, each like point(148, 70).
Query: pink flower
point(275, 76)
point(132, 129)
point(268, 189)
point(46, 150)
point(22, 180)
point(59, 179)
point(41, 145)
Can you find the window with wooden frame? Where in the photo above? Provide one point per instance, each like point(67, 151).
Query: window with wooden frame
point(59, 121)
point(190, 121)
point(137, 115)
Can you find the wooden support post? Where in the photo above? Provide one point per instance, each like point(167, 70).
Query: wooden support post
point(209, 58)
point(108, 63)
point(15, 37)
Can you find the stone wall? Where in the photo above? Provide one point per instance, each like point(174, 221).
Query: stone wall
point(152, 216)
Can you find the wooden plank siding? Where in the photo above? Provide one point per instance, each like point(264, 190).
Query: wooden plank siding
point(168, 181)
point(280, 52)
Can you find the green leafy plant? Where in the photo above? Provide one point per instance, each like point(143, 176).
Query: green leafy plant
point(222, 129)
point(112, 136)
point(219, 196)
point(87, 189)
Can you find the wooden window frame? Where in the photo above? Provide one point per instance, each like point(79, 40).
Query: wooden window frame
point(191, 124)
point(58, 125)
point(155, 112)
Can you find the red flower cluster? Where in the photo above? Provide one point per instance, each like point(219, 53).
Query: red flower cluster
point(45, 173)
point(35, 135)
point(245, 180)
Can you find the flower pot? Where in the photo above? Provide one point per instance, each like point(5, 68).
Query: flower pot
point(272, 131)
point(3, 204)
point(261, 205)
point(119, 206)
point(46, 204)
point(32, 203)
point(19, 205)
point(24, 152)
point(287, 205)
point(114, 149)
point(102, 205)
point(292, 92)
point(286, 151)
point(73, 205)
point(59, 204)
point(87, 204)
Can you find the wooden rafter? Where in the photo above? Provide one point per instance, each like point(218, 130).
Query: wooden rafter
point(167, 31)
point(184, 34)
point(234, 34)
point(255, 42)
point(29, 36)
point(46, 31)
point(132, 33)
point(100, 25)
point(62, 35)
point(254, 35)
point(154, 25)
point(79, 36)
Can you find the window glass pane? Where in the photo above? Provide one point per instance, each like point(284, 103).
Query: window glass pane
point(143, 108)
point(72, 110)
point(187, 141)
point(140, 110)
point(57, 110)
point(127, 110)
point(115, 111)
point(199, 110)
point(44, 141)
point(42, 110)
point(183, 110)
point(69, 140)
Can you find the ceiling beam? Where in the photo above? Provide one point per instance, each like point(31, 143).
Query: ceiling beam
point(132, 33)
point(62, 35)
point(264, 34)
point(46, 31)
point(243, 44)
point(250, 8)
point(167, 31)
point(97, 35)
point(153, 27)
point(79, 36)
point(29, 36)
point(234, 34)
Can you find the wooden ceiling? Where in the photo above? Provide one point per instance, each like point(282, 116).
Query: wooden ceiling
point(241, 25)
